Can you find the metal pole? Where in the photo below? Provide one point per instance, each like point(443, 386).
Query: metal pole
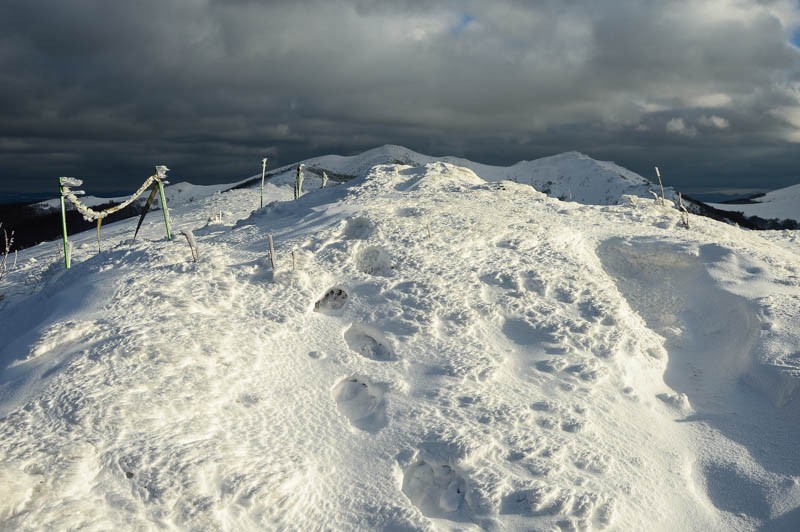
point(661, 185)
point(164, 207)
point(64, 223)
point(263, 171)
point(298, 182)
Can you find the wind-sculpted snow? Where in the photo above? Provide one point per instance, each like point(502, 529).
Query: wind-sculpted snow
point(434, 351)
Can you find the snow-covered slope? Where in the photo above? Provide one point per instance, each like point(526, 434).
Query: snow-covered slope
point(416, 362)
point(178, 193)
point(781, 204)
point(571, 175)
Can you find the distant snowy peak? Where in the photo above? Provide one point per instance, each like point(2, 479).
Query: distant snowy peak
point(574, 176)
point(360, 165)
point(571, 176)
point(782, 204)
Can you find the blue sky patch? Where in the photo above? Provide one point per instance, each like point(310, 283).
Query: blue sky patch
point(466, 20)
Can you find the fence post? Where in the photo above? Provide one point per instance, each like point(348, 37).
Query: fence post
point(263, 171)
point(661, 184)
point(161, 173)
point(298, 182)
point(271, 251)
point(63, 222)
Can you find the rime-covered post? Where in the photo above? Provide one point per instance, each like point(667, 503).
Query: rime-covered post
point(63, 220)
point(161, 175)
point(263, 172)
point(324, 179)
point(684, 211)
point(298, 182)
point(271, 251)
point(63, 189)
point(658, 174)
point(192, 243)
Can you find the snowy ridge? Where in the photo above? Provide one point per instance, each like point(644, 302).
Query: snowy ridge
point(178, 193)
point(417, 362)
point(571, 176)
point(781, 204)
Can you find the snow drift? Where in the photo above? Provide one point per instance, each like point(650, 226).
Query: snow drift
point(436, 350)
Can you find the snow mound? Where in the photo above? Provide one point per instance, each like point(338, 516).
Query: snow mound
point(435, 348)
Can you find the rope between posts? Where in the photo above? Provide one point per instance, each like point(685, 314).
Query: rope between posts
point(90, 214)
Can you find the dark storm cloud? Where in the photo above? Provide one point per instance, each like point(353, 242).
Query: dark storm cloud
point(104, 89)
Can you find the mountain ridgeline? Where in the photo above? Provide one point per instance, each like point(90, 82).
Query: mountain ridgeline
point(569, 176)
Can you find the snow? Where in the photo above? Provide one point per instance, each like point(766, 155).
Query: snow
point(437, 350)
point(782, 204)
point(179, 193)
point(571, 175)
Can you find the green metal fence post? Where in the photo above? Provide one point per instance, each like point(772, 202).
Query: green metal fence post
point(64, 223)
point(161, 173)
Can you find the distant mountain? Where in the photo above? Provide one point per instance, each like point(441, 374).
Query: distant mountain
point(782, 205)
point(570, 176)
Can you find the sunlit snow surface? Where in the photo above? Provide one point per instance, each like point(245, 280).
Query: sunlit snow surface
point(781, 204)
point(435, 351)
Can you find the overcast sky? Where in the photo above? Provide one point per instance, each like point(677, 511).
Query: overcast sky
point(709, 90)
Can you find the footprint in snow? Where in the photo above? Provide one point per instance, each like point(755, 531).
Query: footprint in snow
point(572, 510)
point(437, 489)
point(359, 228)
point(374, 260)
point(332, 302)
point(369, 343)
point(362, 402)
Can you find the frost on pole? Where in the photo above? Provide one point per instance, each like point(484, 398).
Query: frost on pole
point(661, 184)
point(161, 172)
point(263, 173)
point(298, 184)
point(71, 182)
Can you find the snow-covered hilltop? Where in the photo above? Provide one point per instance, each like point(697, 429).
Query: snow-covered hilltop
point(781, 204)
point(571, 176)
point(439, 349)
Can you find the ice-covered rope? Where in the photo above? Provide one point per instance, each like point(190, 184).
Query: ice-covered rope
point(90, 214)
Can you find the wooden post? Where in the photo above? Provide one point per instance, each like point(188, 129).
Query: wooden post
point(99, 223)
point(271, 251)
point(263, 172)
point(661, 185)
